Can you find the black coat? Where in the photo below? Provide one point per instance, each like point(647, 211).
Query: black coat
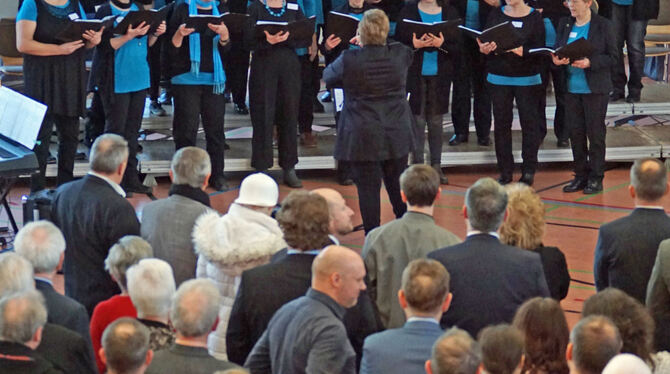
point(626, 251)
point(448, 55)
point(64, 311)
point(601, 36)
point(375, 122)
point(265, 289)
point(489, 281)
point(555, 271)
point(16, 358)
point(642, 9)
point(66, 350)
point(92, 217)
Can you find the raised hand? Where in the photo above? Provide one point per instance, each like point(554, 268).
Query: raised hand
point(221, 30)
point(423, 42)
point(140, 30)
point(582, 64)
point(436, 41)
point(559, 61)
point(277, 38)
point(332, 41)
point(93, 37)
point(184, 31)
point(487, 47)
point(161, 29)
point(70, 47)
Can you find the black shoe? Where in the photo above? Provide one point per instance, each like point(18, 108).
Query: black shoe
point(504, 179)
point(131, 188)
point(457, 139)
point(345, 181)
point(443, 178)
point(326, 98)
point(563, 143)
point(227, 97)
point(593, 187)
point(165, 98)
point(241, 109)
point(225, 146)
point(220, 184)
point(156, 109)
point(291, 179)
point(527, 178)
point(633, 98)
point(616, 96)
point(318, 107)
point(484, 142)
point(575, 185)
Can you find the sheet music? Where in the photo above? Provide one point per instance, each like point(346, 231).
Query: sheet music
point(20, 117)
point(338, 96)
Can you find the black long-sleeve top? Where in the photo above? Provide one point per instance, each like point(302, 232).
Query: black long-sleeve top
point(258, 12)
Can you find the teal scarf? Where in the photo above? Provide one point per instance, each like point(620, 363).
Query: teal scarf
point(194, 48)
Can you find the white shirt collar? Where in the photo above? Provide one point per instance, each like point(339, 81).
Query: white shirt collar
point(477, 232)
point(114, 185)
point(333, 239)
point(46, 280)
point(659, 207)
point(423, 319)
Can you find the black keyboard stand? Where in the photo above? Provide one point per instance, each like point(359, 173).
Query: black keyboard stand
point(6, 186)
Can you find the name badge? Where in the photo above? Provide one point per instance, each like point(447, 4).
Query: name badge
point(292, 6)
point(73, 16)
point(573, 34)
point(119, 19)
point(97, 7)
point(517, 24)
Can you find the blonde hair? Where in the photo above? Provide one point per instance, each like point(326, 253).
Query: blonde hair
point(373, 28)
point(524, 226)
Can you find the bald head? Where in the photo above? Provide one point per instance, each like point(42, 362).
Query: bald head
point(340, 214)
point(107, 154)
point(339, 272)
point(648, 177)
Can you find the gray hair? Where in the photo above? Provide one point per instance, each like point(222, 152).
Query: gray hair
point(195, 307)
point(108, 152)
point(649, 177)
point(486, 201)
point(16, 274)
point(455, 352)
point(151, 287)
point(191, 166)
point(128, 251)
point(125, 343)
point(595, 340)
point(42, 244)
point(21, 314)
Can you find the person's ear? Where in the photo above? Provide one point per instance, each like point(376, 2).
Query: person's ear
point(122, 168)
point(631, 190)
point(667, 188)
point(447, 302)
point(149, 358)
point(506, 215)
point(206, 183)
point(439, 193)
point(37, 336)
point(403, 196)
point(171, 175)
point(402, 300)
point(465, 212)
point(426, 366)
point(568, 352)
point(480, 369)
point(335, 280)
point(103, 358)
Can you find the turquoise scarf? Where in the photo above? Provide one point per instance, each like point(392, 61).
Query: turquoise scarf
point(194, 48)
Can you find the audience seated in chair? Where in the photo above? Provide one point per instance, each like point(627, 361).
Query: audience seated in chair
point(125, 347)
point(455, 352)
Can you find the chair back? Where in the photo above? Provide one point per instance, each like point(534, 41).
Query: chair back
point(8, 39)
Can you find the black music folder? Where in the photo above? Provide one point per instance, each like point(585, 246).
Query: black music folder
point(234, 21)
point(503, 34)
point(75, 29)
point(576, 50)
point(153, 17)
point(447, 28)
point(300, 32)
point(343, 26)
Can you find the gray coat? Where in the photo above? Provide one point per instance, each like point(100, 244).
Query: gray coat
point(167, 224)
point(658, 296)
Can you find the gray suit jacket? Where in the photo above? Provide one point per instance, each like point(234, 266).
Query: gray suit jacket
point(387, 251)
point(658, 296)
point(168, 224)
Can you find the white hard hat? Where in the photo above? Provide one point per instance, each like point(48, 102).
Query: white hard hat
point(258, 189)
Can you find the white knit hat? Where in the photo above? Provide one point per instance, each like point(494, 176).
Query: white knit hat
point(626, 363)
point(258, 189)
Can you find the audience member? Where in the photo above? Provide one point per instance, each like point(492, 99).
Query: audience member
point(194, 312)
point(489, 279)
point(22, 318)
point(151, 286)
point(635, 325)
point(524, 228)
point(624, 258)
point(626, 363)
point(412, 236)
point(502, 350)
point(66, 350)
point(128, 251)
point(455, 352)
point(593, 342)
point(424, 296)
point(307, 335)
point(125, 347)
point(167, 224)
point(242, 239)
point(93, 214)
point(658, 296)
point(263, 290)
point(42, 244)
point(339, 211)
point(546, 336)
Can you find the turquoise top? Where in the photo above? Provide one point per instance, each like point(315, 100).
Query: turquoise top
point(131, 69)
point(472, 15)
point(192, 79)
point(429, 67)
point(502, 80)
point(549, 33)
point(28, 11)
point(623, 2)
point(577, 83)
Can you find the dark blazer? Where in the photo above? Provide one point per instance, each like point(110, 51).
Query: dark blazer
point(658, 297)
point(642, 9)
point(489, 281)
point(64, 311)
point(66, 350)
point(16, 358)
point(92, 217)
point(448, 55)
point(265, 289)
point(555, 271)
point(402, 350)
point(375, 122)
point(626, 251)
point(601, 36)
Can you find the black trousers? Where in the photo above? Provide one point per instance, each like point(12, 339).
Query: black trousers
point(526, 97)
point(632, 31)
point(192, 103)
point(274, 96)
point(430, 117)
point(309, 79)
point(469, 81)
point(68, 138)
point(154, 58)
point(123, 116)
point(557, 76)
point(368, 176)
point(237, 73)
point(585, 114)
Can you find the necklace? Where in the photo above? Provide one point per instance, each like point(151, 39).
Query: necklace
point(276, 14)
point(120, 5)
